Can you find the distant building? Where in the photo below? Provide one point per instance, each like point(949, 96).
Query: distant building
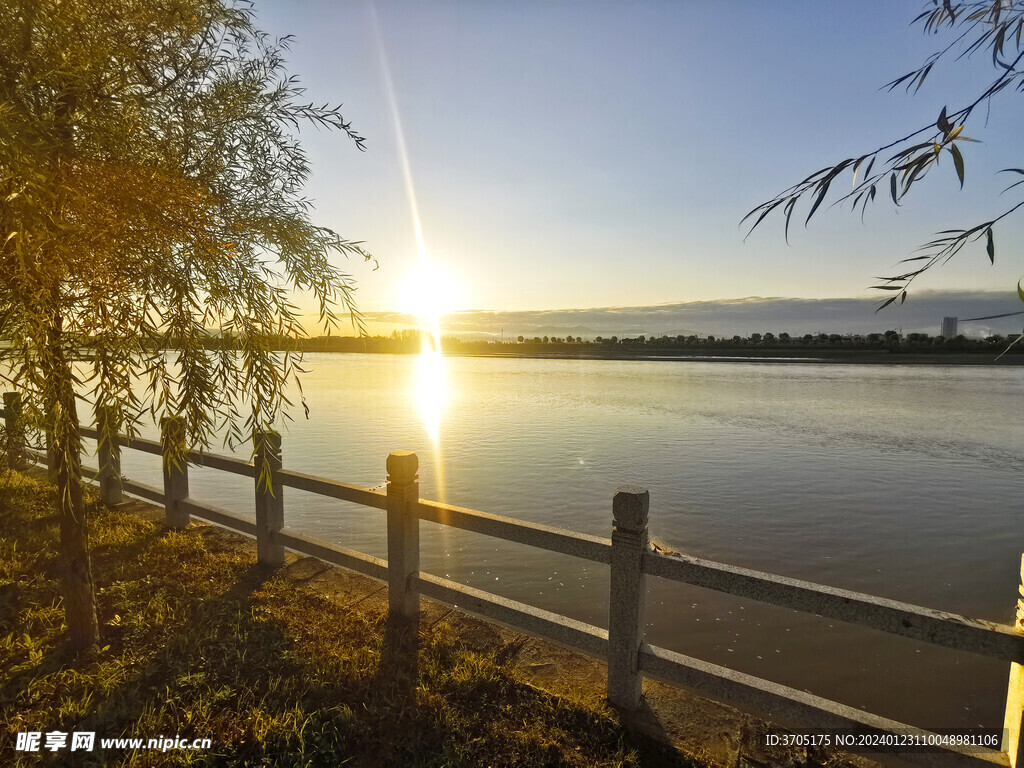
point(949, 327)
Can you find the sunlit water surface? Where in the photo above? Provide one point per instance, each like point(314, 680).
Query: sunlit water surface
point(904, 482)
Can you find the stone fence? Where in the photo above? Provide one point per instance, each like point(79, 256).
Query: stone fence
point(630, 557)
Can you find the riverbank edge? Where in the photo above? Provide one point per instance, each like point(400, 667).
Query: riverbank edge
point(707, 731)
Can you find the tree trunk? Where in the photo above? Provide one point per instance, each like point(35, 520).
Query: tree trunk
point(75, 567)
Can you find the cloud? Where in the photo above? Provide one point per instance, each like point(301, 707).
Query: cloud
point(923, 312)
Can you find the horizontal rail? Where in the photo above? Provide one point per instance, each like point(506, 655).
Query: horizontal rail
point(150, 492)
point(949, 630)
point(219, 516)
point(535, 621)
point(368, 497)
point(781, 702)
point(332, 553)
point(199, 458)
point(532, 534)
point(136, 443)
point(41, 455)
point(225, 463)
point(143, 444)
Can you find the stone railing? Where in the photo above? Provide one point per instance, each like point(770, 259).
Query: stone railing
point(631, 559)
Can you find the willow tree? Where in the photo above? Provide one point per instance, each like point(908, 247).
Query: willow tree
point(151, 197)
point(966, 27)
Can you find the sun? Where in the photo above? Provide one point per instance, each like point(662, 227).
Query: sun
point(428, 293)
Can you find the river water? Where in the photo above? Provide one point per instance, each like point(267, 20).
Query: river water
point(900, 481)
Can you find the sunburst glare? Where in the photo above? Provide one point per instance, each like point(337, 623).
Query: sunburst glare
point(427, 293)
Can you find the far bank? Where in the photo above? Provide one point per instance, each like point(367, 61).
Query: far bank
point(913, 349)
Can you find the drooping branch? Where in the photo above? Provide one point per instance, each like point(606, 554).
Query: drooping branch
point(995, 24)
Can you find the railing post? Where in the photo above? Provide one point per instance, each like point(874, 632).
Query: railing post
point(269, 498)
point(109, 445)
point(15, 430)
point(627, 604)
point(1013, 744)
point(403, 538)
point(172, 435)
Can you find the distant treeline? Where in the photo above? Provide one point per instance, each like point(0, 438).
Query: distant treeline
point(412, 342)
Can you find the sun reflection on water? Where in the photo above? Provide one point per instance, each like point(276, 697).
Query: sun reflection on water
point(431, 390)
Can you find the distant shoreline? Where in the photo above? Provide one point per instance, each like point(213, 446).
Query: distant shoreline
point(840, 358)
point(771, 356)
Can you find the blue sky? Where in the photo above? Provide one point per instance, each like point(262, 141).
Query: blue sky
point(596, 154)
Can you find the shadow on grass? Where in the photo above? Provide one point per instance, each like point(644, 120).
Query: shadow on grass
point(398, 670)
point(220, 653)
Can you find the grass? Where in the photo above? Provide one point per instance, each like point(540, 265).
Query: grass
point(198, 641)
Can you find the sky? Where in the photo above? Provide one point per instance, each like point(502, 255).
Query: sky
point(570, 155)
